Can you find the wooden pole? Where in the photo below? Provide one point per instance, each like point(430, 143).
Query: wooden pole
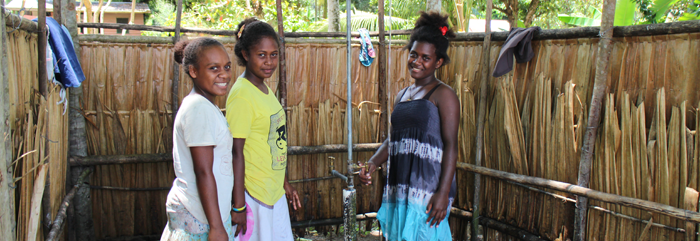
point(682, 214)
point(43, 89)
point(497, 225)
point(569, 33)
point(485, 74)
point(382, 81)
point(57, 225)
point(605, 47)
point(175, 95)
point(167, 157)
point(7, 194)
point(282, 84)
point(42, 47)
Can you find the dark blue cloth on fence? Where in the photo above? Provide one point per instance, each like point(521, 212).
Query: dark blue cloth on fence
point(66, 63)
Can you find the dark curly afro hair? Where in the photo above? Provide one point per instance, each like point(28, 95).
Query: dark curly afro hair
point(251, 35)
point(428, 29)
point(186, 52)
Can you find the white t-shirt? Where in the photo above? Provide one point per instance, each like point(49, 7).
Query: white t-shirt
point(201, 123)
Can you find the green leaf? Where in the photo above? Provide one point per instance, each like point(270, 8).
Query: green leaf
point(598, 15)
point(579, 21)
point(624, 12)
point(661, 7)
point(521, 24)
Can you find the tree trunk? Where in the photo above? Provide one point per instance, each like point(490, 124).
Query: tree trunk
point(131, 17)
point(7, 194)
point(434, 5)
point(96, 14)
point(333, 12)
point(531, 12)
point(80, 224)
point(605, 47)
point(86, 16)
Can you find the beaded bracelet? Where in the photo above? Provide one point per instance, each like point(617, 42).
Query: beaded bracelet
point(238, 210)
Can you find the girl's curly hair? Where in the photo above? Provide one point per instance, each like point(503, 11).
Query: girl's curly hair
point(433, 27)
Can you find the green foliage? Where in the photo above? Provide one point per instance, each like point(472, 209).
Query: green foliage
point(624, 12)
point(369, 21)
point(582, 21)
point(693, 12)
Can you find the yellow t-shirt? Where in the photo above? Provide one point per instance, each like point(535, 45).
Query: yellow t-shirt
point(260, 120)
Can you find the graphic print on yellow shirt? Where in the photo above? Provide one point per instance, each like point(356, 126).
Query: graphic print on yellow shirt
point(259, 118)
point(277, 139)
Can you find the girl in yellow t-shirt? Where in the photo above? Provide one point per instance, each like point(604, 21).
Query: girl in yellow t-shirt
point(258, 125)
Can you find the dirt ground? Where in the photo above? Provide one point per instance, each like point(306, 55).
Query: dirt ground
point(335, 233)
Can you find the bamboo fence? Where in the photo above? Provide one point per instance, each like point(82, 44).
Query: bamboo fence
point(647, 149)
point(39, 138)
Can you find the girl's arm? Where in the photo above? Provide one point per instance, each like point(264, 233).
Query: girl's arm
point(203, 160)
point(448, 108)
point(238, 162)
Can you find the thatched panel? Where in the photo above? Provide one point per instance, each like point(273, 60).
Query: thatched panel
point(39, 135)
point(535, 121)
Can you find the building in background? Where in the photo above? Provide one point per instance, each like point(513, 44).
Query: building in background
point(115, 12)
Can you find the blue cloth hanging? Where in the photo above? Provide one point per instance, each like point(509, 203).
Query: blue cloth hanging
point(367, 54)
point(66, 64)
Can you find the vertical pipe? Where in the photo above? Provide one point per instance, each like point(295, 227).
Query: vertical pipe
point(175, 95)
point(349, 203)
point(486, 63)
point(605, 48)
point(7, 194)
point(382, 83)
point(282, 84)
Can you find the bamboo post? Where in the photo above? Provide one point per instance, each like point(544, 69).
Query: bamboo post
point(679, 213)
point(80, 225)
point(282, 84)
point(42, 47)
point(485, 64)
point(382, 81)
point(43, 89)
point(434, 5)
point(605, 48)
point(176, 67)
point(7, 194)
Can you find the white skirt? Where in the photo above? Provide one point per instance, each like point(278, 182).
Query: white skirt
point(266, 223)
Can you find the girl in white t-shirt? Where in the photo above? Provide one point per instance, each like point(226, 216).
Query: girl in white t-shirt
point(199, 203)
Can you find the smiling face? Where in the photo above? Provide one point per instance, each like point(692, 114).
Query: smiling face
point(423, 61)
point(212, 72)
point(262, 58)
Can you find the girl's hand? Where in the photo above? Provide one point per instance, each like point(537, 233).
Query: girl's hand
point(292, 195)
point(437, 207)
point(366, 172)
point(240, 220)
point(218, 234)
